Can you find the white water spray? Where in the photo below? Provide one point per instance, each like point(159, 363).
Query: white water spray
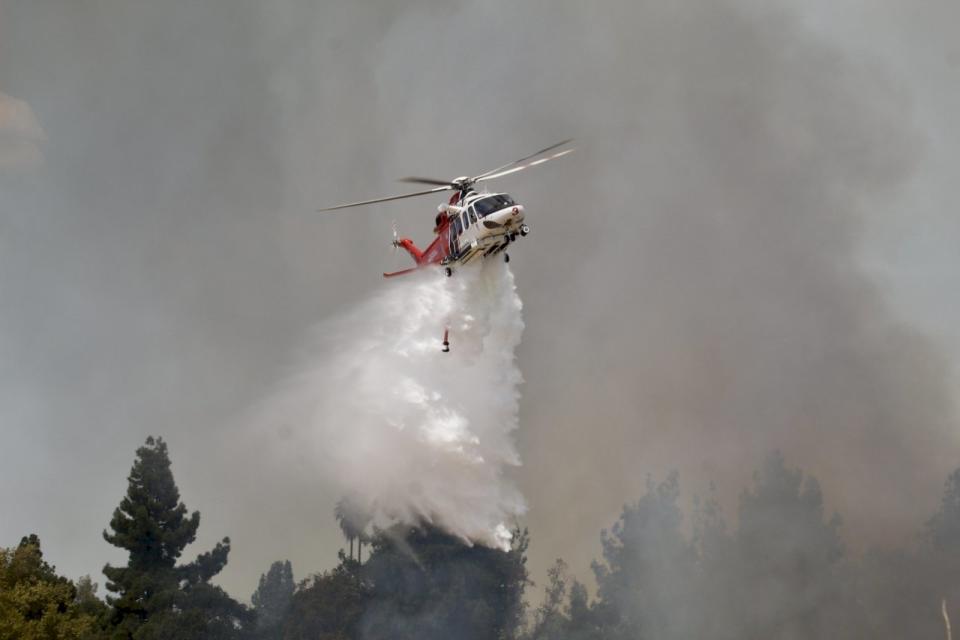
point(411, 433)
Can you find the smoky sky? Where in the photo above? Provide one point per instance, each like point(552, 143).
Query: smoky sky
point(692, 289)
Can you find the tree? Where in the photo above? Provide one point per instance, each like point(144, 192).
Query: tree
point(549, 620)
point(566, 612)
point(780, 575)
point(903, 588)
point(943, 553)
point(156, 598)
point(418, 582)
point(943, 529)
point(585, 622)
point(271, 600)
point(427, 584)
point(87, 600)
point(789, 557)
point(647, 577)
point(328, 606)
point(353, 519)
point(37, 604)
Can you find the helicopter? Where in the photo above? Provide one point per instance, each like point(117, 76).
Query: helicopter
point(471, 226)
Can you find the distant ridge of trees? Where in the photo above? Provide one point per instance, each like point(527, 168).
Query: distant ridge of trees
point(782, 573)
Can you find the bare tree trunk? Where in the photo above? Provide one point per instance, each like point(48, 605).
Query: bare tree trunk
point(946, 618)
point(351, 548)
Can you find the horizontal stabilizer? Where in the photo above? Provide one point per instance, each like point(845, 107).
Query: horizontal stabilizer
point(399, 273)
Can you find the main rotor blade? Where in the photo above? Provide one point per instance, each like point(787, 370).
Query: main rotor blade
point(486, 174)
point(419, 180)
point(388, 198)
point(525, 166)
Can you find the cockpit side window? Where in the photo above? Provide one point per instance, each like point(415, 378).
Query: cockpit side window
point(473, 215)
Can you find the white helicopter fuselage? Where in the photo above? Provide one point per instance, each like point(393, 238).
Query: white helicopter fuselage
point(483, 225)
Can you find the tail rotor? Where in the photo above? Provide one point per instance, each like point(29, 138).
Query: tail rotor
point(395, 243)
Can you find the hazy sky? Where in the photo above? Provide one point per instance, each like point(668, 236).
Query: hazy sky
point(755, 246)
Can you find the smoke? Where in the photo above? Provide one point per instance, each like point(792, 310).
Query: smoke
point(20, 134)
point(693, 288)
point(410, 433)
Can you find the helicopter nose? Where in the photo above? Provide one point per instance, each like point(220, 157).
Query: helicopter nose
point(510, 217)
point(513, 215)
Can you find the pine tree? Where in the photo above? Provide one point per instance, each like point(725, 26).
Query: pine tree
point(272, 598)
point(155, 597)
point(648, 568)
point(549, 621)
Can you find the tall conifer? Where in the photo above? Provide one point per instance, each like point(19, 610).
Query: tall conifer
point(155, 596)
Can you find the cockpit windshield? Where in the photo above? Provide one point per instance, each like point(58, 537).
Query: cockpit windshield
point(486, 206)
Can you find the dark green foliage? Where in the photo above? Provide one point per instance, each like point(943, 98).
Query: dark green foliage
point(155, 597)
point(418, 583)
point(328, 606)
point(151, 522)
point(199, 612)
point(426, 584)
point(781, 574)
point(271, 600)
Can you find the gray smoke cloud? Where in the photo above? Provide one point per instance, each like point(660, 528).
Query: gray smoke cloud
point(692, 287)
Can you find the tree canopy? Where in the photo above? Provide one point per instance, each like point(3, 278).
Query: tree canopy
point(37, 604)
point(271, 600)
point(156, 598)
point(780, 571)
